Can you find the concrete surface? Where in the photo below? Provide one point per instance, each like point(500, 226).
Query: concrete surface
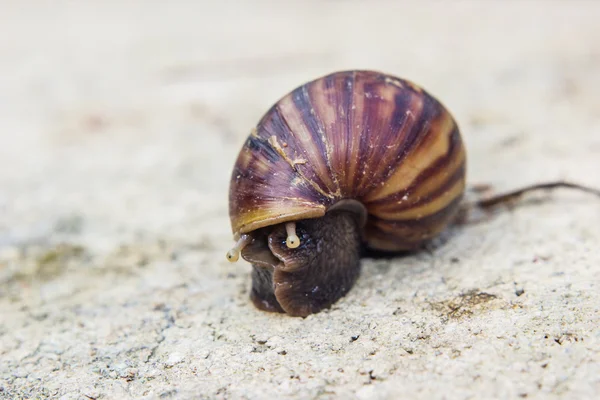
point(119, 125)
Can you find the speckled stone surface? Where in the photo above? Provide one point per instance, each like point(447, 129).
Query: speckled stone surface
point(119, 125)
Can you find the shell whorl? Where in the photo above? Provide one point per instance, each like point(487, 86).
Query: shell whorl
point(360, 135)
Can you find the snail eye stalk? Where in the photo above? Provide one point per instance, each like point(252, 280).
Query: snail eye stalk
point(234, 254)
point(292, 241)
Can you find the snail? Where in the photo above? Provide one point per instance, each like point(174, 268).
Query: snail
point(350, 161)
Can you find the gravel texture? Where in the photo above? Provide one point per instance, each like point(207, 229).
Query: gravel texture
point(119, 125)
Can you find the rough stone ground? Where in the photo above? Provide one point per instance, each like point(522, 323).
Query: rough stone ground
point(119, 125)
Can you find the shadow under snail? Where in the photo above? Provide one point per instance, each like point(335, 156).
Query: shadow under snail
point(353, 160)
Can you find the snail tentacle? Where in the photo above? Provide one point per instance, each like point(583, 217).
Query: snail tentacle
point(234, 254)
point(292, 241)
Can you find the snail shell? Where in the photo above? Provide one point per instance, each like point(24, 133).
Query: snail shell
point(350, 160)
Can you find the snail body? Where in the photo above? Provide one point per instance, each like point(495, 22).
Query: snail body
point(350, 160)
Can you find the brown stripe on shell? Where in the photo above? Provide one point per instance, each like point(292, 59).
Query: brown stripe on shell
point(388, 235)
point(331, 99)
point(255, 197)
point(419, 110)
point(341, 132)
point(388, 117)
point(433, 181)
point(397, 209)
point(305, 139)
point(452, 189)
point(432, 143)
point(293, 144)
point(324, 116)
point(305, 104)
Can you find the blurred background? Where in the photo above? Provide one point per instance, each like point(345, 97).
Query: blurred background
point(120, 123)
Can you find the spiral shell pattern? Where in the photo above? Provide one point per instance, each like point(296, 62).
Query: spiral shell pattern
point(360, 135)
